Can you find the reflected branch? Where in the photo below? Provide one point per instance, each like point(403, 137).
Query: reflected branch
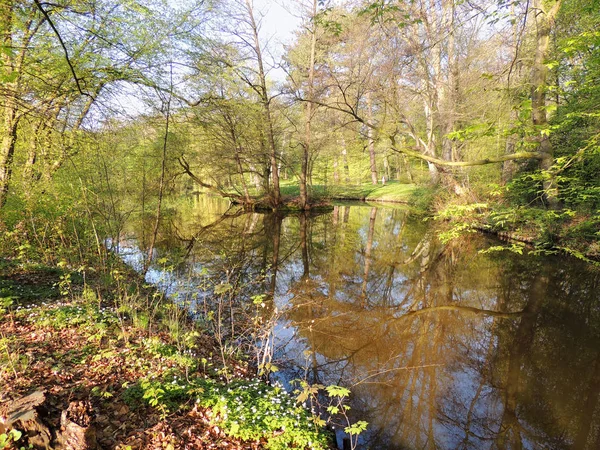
point(466, 309)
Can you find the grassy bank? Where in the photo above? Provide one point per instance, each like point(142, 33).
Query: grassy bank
point(151, 377)
point(393, 192)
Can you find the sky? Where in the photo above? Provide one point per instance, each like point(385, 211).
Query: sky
point(278, 26)
point(278, 21)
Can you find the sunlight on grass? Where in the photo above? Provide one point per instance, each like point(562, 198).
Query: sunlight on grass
point(390, 192)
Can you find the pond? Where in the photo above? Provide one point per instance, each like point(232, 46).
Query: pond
point(447, 346)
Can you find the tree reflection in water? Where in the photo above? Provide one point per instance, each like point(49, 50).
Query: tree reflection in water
point(442, 346)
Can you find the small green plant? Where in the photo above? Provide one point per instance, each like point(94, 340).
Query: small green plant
point(5, 304)
point(253, 410)
point(61, 316)
point(11, 360)
point(336, 407)
point(246, 409)
point(515, 247)
point(11, 437)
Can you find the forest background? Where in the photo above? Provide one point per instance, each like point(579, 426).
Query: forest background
point(491, 107)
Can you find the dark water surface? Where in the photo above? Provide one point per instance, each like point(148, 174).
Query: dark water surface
point(443, 346)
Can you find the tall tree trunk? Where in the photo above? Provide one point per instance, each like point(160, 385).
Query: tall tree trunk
point(509, 167)
point(336, 171)
point(451, 99)
point(10, 119)
point(266, 166)
point(371, 141)
point(7, 148)
point(545, 16)
point(308, 111)
point(238, 152)
point(345, 161)
point(32, 154)
point(386, 167)
point(266, 107)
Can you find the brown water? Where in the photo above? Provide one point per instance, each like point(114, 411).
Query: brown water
point(442, 346)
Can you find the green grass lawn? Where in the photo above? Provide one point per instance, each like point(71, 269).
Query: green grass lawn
point(390, 192)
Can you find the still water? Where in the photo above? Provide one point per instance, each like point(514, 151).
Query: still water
point(444, 346)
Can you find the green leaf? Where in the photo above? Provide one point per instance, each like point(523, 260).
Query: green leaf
point(357, 428)
point(223, 288)
point(337, 391)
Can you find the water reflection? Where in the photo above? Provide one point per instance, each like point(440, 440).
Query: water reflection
point(442, 346)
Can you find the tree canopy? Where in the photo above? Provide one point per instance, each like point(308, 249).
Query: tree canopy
point(432, 91)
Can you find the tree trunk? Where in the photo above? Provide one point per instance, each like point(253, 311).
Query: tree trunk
point(509, 167)
point(10, 119)
point(371, 141)
point(77, 430)
point(308, 112)
point(266, 107)
point(345, 161)
point(453, 87)
point(386, 167)
point(32, 154)
point(539, 76)
point(7, 148)
point(238, 152)
point(161, 187)
point(336, 171)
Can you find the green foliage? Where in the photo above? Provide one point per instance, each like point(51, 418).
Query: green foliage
point(389, 12)
point(50, 228)
point(422, 199)
point(246, 409)
point(5, 304)
point(169, 352)
point(517, 248)
point(454, 211)
point(576, 124)
point(60, 316)
point(337, 391)
point(9, 438)
point(252, 410)
point(457, 230)
point(462, 218)
point(12, 360)
point(336, 406)
point(356, 428)
point(544, 225)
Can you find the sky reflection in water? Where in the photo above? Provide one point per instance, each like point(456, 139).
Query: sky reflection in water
point(441, 345)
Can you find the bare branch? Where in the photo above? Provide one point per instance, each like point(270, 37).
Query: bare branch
point(64, 47)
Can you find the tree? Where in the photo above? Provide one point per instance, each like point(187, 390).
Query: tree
point(57, 61)
point(308, 112)
point(545, 12)
point(249, 65)
point(414, 77)
point(18, 25)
